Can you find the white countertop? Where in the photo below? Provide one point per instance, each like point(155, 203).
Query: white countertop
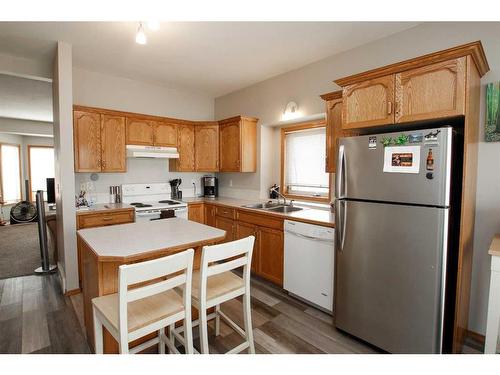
point(130, 240)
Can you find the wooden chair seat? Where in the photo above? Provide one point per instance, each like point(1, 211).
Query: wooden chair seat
point(217, 285)
point(143, 312)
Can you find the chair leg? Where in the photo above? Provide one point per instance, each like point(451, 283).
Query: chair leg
point(188, 336)
point(203, 330)
point(98, 340)
point(161, 344)
point(123, 343)
point(247, 317)
point(217, 320)
point(171, 335)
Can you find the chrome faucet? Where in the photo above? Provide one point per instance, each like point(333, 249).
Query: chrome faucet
point(275, 189)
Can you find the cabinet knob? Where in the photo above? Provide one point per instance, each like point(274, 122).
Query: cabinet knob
point(389, 107)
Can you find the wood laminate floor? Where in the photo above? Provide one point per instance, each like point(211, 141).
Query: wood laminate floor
point(36, 318)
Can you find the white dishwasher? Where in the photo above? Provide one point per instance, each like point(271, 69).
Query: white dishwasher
point(309, 263)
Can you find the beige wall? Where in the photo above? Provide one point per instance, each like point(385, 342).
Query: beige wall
point(106, 91)
point(267, 99)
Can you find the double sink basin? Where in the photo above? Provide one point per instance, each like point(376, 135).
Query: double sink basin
point(274, 207)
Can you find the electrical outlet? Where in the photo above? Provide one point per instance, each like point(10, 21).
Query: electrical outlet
point(230, 183)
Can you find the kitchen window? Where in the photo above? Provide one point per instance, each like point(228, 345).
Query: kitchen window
point(41, 167)
point(303, 152)
point(10, 173)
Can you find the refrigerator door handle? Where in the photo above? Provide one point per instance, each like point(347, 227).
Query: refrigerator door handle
point(340, 176)
point(340, 224)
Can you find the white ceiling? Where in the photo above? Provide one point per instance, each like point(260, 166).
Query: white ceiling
point(213, 57)
point(26, 99)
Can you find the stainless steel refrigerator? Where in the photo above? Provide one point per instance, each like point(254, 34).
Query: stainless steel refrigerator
point(393, 200)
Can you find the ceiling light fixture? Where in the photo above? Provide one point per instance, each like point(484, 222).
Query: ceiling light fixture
point(140, 37)
point(154, 25)
point(291, 111)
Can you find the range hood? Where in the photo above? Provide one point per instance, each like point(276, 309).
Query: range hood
point(154, 152)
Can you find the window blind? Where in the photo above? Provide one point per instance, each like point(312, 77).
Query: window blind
point(305, 153)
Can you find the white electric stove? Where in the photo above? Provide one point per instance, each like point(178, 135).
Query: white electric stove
point(150, 199)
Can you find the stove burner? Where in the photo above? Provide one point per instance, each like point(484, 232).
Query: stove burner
point(140, 205)
point(169, 202)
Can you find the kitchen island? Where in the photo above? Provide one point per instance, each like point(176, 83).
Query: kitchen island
point(104, 249)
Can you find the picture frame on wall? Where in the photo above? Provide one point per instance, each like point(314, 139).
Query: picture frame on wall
point(492, 128)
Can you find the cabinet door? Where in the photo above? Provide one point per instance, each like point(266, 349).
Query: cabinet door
point(244, 230)
point(113, 144)
point(165, 134)
point(185, 143)
point(230, 147)
point(206, 148)
point(139, 132)
point(210, 215)
point(227, 225)
point(196, 213)
point(368, 103)
point(87, 141)
point(431, 92)
point(333, 131)
point(271, 255)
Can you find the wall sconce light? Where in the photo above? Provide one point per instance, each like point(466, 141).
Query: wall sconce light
point(291, 111)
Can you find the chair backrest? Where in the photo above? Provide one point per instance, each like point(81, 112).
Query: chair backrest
point(240, 250)
point(153, 270)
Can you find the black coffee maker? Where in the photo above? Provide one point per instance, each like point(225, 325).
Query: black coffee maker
point(210, 186)
point(174, 188)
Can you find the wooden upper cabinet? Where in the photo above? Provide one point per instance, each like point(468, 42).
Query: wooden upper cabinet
point(87, 141)
point(185, 144)
point(113, 153)
point(139, 132)
point(207, 148)
point(238, 144)
point(333, 102)
point(368, 103)
point(431, 92)
point(165, 134)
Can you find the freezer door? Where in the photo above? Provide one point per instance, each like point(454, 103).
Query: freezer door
point(389, 274)
point(361, 175)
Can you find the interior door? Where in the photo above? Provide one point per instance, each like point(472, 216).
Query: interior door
point(389, 274)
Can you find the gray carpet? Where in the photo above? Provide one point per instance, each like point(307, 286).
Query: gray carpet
point(19, 250)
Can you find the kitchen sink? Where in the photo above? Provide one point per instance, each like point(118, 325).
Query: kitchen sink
point(285, 209)
point(263, 206)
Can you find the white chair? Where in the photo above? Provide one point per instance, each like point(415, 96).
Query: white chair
point(131, 314)
point(214, 284)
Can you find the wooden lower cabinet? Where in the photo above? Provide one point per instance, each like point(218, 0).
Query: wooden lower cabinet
point(100, 219)
point(271, 249)
point(244, 230)
point(226, 224)
point(210, 214)
point(196, 212)
point(268, 252)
